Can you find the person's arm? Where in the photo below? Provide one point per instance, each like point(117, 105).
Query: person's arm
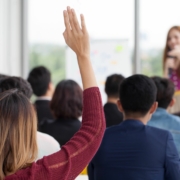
point(76, 154)
point(169, 64)
point(172, 161)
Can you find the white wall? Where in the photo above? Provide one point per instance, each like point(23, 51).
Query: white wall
point(12, 37)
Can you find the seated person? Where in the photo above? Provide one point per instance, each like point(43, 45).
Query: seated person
point(112, 114)
point(161, 118)
point(46, 143)
point(43, 89)
point(66, 106)
point(18, 123)
point(132, 150)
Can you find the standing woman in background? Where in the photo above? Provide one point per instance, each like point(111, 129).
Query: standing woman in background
point(171, 64)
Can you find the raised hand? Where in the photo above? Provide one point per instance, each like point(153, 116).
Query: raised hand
point(76, 37)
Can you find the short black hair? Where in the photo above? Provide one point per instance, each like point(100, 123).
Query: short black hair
point(112, 85)
point(165, 91)
point(16, 83)
point(2, 76)
point(67, 101)
point(137, 94)
point(39, 78)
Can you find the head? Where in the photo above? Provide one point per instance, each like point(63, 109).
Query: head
point(172, 40)
point(18, 126)
point(16, 83)
point(165, 92)
point(40, 80)
point(67, 100)
point(137, 96)
point(112, 85)
point(2, 76)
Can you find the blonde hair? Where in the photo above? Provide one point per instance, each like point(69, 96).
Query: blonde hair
point(166, 49)
point(18, 126)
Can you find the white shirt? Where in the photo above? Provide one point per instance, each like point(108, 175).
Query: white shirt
point(46, 145)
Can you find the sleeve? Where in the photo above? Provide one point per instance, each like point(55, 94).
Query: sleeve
point(76, 154)
point(172, 161)
point(90, 171)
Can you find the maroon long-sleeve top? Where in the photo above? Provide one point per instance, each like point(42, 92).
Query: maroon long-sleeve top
point(67, 163)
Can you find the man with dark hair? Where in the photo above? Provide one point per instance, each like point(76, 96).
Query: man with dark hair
point(112, 114)
point(161, 118)
point(40, 80)
point(132, 150)
point(46, 143)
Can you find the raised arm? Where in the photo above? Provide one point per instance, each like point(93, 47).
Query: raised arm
point(77, 38)
point(67, 163)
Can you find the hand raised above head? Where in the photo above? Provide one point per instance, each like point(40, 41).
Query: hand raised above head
point(76, 36)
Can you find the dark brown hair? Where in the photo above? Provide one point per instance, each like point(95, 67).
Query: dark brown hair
point(67, 100)
point(166, 49)
point(165, 91)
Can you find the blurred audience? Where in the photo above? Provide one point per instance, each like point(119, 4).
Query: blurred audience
point(40, 80)
point(132, 150)
point(112, 114)
point(66, 106)
point(161, 118)
point(46, 144)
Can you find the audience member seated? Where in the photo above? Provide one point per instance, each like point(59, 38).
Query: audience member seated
point(18, 123)
point(66, 106)
point(132, 150)
point(112, 114)
point(40, 80)
point(46, 144)
point(161, 118)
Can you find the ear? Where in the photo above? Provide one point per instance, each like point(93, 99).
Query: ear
point(119, 105)
point(173, 101)
point(153, 107)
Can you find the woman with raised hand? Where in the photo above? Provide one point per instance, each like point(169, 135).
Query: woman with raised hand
point(171, 64)
point(18, 148)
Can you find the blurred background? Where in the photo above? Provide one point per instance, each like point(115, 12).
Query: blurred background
point(31, 32)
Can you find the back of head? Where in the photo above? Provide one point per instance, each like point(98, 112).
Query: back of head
point(112, 85)
point(67, 100)
point(39, 78)
point(16, 83)
point(2, 76)
point(165, 91)
point(137, 94)
point(18, 126)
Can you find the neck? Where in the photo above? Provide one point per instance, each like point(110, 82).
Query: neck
point(112, 100)
point(47, 95)
point(144, 119)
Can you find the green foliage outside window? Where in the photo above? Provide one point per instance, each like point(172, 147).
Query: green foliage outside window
point(151, 62)
point(50, 56)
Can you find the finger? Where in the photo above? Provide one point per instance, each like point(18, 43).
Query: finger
point(66, 21)
point(172, 52)
point(71, 18)
point(83, 25)
point(75, 21)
